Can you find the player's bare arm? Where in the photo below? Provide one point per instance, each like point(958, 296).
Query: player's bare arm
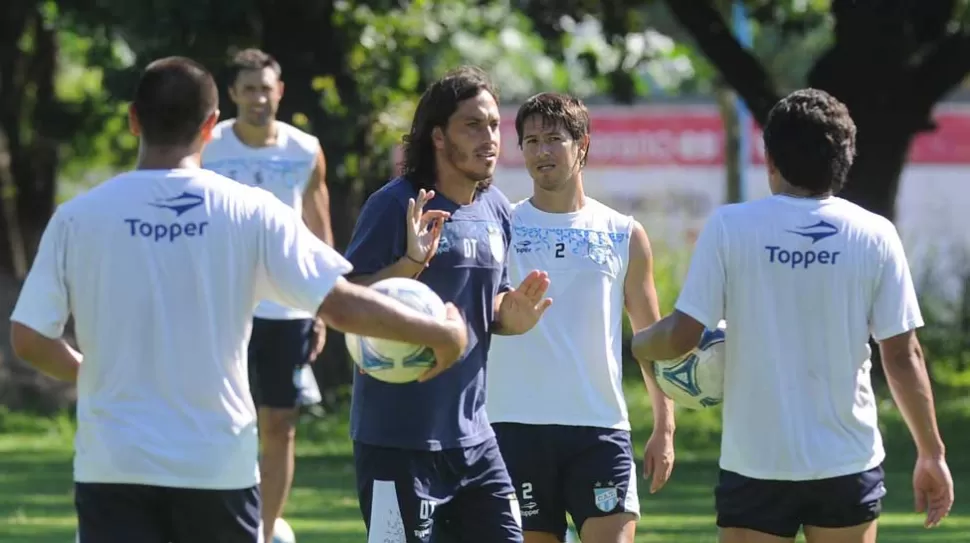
point(518, 310)
point(316, 215)
point(316, 201)
point(640, 298)
point(905, 367)
point(423, 235)
point(671, 337)
point(52, 356)
point(365, 312)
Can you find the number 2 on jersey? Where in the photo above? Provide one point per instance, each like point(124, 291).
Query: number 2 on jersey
point(560, 249)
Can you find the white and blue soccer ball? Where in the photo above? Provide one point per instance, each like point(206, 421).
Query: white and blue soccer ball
point(395, 361)
point(696, 380)
point(282, 532)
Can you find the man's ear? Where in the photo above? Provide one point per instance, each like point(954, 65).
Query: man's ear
point(134, 125)
point(209, 125)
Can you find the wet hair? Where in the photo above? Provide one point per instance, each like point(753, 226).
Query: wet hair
point(556, 109)
point(810, 138)
point(252, 59)
point(438, 103)
point(173, 99)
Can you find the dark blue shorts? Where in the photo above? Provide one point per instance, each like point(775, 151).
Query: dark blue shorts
point(781, 508)
point(456, 495)
point(278, 351)
point(584, 471)
point(121, 513)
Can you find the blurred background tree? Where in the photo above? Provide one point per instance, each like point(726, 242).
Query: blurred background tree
point(354, 69)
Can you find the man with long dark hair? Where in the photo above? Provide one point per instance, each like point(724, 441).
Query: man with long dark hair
point(425, 453)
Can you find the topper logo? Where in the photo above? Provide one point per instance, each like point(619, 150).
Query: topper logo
point(816, 232)
point(162, 231)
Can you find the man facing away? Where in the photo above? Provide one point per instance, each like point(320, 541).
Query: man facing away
point(803, 278)
point(426, 458)
point(555, 394)
point(257, 149)
point(161, 268)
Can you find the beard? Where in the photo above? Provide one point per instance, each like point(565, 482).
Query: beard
point(457, 158)
point(260, 119)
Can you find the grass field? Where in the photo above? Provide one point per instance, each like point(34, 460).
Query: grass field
point(36, 492)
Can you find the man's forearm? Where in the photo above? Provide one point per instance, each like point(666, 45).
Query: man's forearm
point(360, 310)
point(663, 407)
point(404, 267)
point(656, 342)
point(320, 227)
point(53, 357)
point(316, 215)
point(910, 386)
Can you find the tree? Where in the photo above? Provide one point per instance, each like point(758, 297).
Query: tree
point(353, 72)
point(890, 61)
point(34, 123)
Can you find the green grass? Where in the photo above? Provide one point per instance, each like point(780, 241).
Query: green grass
point(36, 491)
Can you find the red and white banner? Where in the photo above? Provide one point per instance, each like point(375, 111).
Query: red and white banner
point(694, 136)
point(664, 165)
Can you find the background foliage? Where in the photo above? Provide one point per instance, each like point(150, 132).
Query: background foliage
point(354, 69)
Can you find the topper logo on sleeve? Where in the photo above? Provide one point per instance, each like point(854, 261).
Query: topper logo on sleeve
point(795, 258)
point(170, 231)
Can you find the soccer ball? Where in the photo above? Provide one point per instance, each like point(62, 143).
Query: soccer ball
point(395, 361)
point(282, 533)
point(696, 380)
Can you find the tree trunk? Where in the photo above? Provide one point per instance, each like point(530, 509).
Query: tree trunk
point(734, 176)
point(873, 182)
point(29, 167)
point(284, 35)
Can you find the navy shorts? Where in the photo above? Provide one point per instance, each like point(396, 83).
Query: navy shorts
point(410, 496)
point(279, 358)
point(122, 513)
point(781, 508)
point(584, 471)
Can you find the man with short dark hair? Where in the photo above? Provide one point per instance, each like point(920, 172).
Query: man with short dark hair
point(569, 448)
point(803, 279)
point(161, 268)
point(256, 149)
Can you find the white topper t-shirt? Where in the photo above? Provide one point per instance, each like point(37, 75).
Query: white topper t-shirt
point(802, 284)
point(161, 270)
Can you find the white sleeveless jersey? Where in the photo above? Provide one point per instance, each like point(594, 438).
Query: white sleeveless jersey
point(283, 169)
point(568, 369)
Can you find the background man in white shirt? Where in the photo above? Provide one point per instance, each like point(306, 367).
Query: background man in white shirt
point(161, 268)
point(555, 393)
point(258, 150)
point(803, 279)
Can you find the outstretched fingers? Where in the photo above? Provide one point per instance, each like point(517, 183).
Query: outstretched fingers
point(535, 285)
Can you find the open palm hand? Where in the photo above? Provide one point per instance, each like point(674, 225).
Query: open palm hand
point(424, 228)
point(522, 307)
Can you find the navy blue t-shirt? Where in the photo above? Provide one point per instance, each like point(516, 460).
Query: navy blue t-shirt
point(468, 270)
